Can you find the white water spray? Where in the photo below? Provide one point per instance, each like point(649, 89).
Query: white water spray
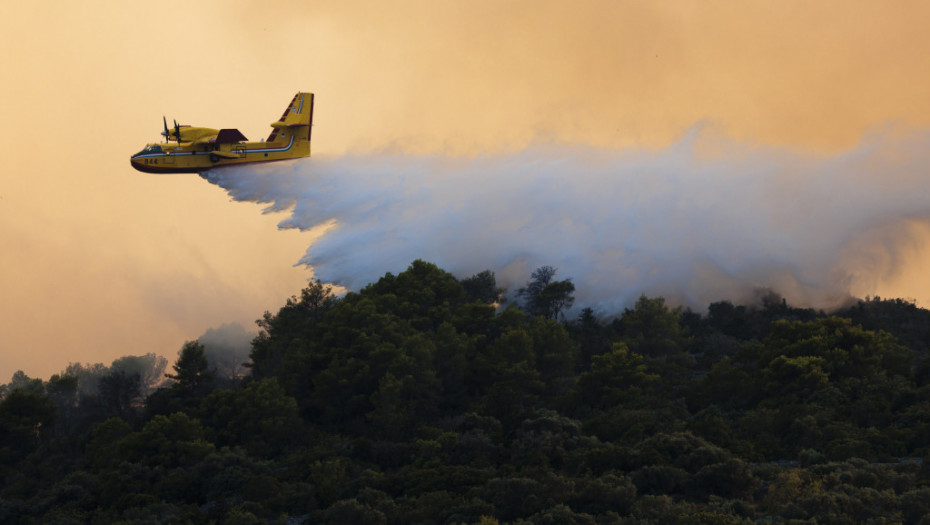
point(674, 223)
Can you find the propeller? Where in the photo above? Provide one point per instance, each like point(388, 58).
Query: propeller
point(177, 130)
point(165, 133)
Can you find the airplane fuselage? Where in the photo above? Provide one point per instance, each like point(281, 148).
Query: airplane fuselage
point(194, 150)
point(193, 158)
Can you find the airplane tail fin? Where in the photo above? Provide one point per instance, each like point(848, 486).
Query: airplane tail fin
point(296, 122)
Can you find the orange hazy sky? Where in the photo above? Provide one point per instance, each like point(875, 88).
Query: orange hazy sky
point(99, 261)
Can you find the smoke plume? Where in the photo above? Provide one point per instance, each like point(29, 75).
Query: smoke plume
point(702, 220)
point(227, 349)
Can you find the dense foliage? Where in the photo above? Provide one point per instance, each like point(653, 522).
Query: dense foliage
point(427, 399)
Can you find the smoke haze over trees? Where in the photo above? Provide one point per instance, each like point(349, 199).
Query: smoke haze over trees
point(227, 350)
point(420, 398)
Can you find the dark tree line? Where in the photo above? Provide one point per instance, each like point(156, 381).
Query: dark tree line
point(423, 398)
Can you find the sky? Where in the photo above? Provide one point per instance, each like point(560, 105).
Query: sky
point(98, 261)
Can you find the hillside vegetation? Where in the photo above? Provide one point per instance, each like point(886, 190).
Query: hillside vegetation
point(420, 399)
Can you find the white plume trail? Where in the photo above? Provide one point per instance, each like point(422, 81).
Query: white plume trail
point(672, 223)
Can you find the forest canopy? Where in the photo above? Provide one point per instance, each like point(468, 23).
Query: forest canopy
point(426, 398)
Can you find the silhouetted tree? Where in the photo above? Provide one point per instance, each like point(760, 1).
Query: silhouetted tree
point(192, 380)
point(25, 418)
point(62, 389)
point(149, 367)
point(482, 287)
point(191, 373)
point(591, 336)
point(545, 297)
point(87, 375)
point(120, 395)
point(25, 383)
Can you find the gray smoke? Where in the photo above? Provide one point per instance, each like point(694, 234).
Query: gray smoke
point(227, 349)
point(691, 227)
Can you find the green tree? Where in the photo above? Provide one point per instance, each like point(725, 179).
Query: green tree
point(792, 379)
point(600, 494)
point(652, 329)
point(296, 320)
point(423, 295)
point(351, 511)
point(482, 288)
point(260, 416)
point(849, 351)
point(728, 385)
point(408, 390)
point(546, 441)
point(556, 354)
point(453, 350)
point(168, 441)
point(104, 439)
point(731, 478)
point(615, 377)
point(506, 376)
point(25, 419)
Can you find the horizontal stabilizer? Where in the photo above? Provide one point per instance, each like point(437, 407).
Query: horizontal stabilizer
point(279, 125)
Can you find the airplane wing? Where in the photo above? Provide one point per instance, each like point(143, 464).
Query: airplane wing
point(229, 136)
point(226, 154)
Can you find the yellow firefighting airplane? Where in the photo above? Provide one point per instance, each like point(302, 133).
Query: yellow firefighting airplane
point(201, 149)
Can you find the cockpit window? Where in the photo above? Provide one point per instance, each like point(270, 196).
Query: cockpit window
point(151, 148)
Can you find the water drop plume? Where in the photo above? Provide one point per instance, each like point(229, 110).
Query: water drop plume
point(702, 220)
